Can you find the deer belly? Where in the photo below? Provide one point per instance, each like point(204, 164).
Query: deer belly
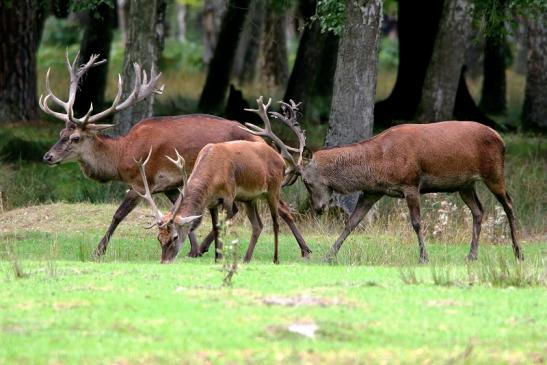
point(243, 194)
point(433, 183)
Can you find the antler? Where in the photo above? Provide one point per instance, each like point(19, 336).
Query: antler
point(147, 194)
point(179, 162)
point(289, 117)
point(141, 89)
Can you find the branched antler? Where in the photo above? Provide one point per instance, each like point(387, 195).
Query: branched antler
point(289, 117)
point(179, 163)
point(141, 89)
point(147, 194)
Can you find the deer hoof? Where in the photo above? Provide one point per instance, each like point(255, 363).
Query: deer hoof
point(424, 260)
point(471, 257)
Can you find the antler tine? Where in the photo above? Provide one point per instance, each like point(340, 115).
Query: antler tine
point(142, 88)
point(290, 119)
point(180, 163)
point(262, 112)
point(147, 194)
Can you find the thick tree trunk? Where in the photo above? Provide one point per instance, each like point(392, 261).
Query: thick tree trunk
point(352, 110)
point(443, 74)
point(123, 15)
point(144, 45)
point(220, 68)
point(274, 59)
point(96, 40)
point(534, 111)
point(306, 64)
point(213, 12)
point(493, 98)
point(248, 48)
point(20, 30)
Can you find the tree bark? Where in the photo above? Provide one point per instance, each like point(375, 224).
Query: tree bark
point(143, 45)
point(182, 9)
point(493, 99)
point(96, 40)
point(443, 74)
point(534, 111)
point(213, 12)
point(306, 64)
point(274, 59)
point(352, 110)
point(220, 68)
point(248, 48)
point(20, 30)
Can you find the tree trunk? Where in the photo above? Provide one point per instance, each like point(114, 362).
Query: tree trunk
point(213, 12)
point(443, 74)
point(248, 48)
point(123, 15)
point(96, 40)
point(220, 68)
point(534, 111)
point(274, 59)
point(181, 22)
point(493, 98)
point(20, 30)
point(306, 64)
point(143, 45)
point(352, 110)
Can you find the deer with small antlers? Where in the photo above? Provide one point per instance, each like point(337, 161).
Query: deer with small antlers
point(241, 171)
point(104, 158)
point(404, 162)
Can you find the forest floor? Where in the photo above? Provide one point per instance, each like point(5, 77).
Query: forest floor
point(376, 305)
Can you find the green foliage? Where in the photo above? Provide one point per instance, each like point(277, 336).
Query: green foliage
point(61, 33)
point(79, 6)
point(493, 16)
point(186, 56)
point(388, 57)
point(330, 13)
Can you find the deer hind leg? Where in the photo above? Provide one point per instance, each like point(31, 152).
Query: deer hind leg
point(130, 201)
point(470, 198)
point(285, 214)
point(364, 204)
point(173, 195)
point(256, 224)
point(412, 197)
point(204, 247)
point(273, 203)
point(216, 228)
point(498, 189)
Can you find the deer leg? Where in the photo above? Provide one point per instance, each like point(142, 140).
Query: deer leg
point(285, 214)
point(364, 204)
point(218, 244)
point(273, 203)
point(470, 198)
point(413, 201)
point(173, 195)
point(256, 224)
point(204, 247)
point(129, 203)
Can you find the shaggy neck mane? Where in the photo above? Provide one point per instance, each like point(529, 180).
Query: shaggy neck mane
point(101, 162)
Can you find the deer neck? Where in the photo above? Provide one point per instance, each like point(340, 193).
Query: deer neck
point(198, 197)
point(101, 161)
point(350, 168)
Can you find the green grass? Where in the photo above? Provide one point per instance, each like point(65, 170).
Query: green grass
point(63, 307)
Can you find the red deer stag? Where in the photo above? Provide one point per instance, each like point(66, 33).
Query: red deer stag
point(404, 162)
point(104, 158)
point(240, 171)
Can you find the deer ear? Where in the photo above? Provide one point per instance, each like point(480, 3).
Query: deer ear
point(98, 127)
point(186, 221)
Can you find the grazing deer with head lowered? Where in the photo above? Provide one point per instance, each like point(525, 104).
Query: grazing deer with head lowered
point(241, 171)
point(404, 162)
point(105, 158)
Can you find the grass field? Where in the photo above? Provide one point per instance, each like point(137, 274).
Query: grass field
point(375, 306)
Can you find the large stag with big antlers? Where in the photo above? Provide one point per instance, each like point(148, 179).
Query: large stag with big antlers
point(105, 158)
point(403, 162)
point(241, 171)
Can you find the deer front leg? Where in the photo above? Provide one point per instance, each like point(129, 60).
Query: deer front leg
point(285, 214)
point(364, 204)
point(173, 195)
point(256, 224)
point(129, 203)
point(412, 197)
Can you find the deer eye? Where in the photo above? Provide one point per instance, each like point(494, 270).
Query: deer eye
point(75, 139)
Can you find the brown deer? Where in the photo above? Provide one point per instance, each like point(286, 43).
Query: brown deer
point(226, 172)
point(105, 158)
point(404, 162)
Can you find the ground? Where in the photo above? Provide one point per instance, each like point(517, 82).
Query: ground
point(376, 305)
